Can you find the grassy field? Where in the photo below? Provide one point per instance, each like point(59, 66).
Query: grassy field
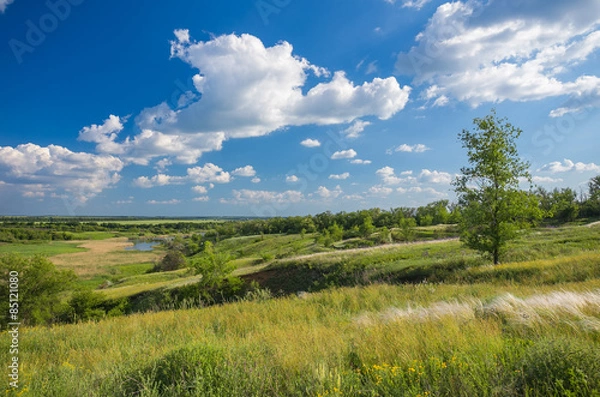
point(445, 323)
point(41, 248)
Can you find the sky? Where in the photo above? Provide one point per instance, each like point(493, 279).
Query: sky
point(283, 107)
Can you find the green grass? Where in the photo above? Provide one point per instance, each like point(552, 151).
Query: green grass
point(430, 320)
point(96, 235)
point(48, 248)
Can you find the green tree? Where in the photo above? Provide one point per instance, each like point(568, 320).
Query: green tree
point(494, 208)
point(366, 228)
point(40, 285)
point(213, 266)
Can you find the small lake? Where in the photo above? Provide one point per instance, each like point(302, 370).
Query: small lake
point(142, 246)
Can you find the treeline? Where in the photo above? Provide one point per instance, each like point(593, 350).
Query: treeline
point(558, 205)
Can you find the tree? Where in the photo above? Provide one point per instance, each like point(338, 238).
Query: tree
point(213, 266)
point(40, 285)
point(493, 206)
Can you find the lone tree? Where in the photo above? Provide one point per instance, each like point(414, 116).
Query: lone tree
point(494, 208)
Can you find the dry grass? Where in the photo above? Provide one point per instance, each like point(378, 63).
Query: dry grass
point(101, 254)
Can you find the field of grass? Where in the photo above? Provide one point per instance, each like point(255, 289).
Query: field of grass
point(428, 319)
point(49, 248)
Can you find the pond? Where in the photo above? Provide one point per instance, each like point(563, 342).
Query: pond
point(142, 246)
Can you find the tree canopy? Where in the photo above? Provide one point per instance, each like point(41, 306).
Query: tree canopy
point(493, 205)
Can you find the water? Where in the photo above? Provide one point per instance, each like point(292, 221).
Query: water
point(142, 246)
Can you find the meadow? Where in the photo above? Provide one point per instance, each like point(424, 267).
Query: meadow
point(417, 319)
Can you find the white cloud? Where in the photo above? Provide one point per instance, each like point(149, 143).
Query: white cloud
point(434, 176)
point(247, 171)
point(388, 176)
point(208, 173)
point(567, 165)
point(480, 52)
point(310, 143)
point(329, 194)
point(291, 179)
point(344, 154)
point(158, 180)
point(255, 180)
point(201, 198)
point(417, 4)
point(418, 148)
point(4, 4)
point(355, 129)
point(249, 90)
point(164, 202)
point(343, 176)
point(200, 189)
point(245, 196)
point(380, 191)
point(183, 35)
point(545, 179)
point(104, 135)
point(162, 165)
point(79, 176)
point(359, 161)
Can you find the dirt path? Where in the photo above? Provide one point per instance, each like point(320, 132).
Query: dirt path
point(593, 224)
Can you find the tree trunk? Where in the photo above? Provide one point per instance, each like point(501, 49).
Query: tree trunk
point(496, 256)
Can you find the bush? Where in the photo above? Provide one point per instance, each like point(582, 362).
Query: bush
point(40, 285)
point(173, 260)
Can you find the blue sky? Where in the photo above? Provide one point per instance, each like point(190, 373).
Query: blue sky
point(283, 107)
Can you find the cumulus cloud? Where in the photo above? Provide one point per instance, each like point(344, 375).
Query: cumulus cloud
point(247, 90)
point(77, 176)
point(545, 179)
point(478, 52)
point(356, 129)
point(344, 154)
point(388, 177)
point(343, 176)
point(418, 148)
point(255, 180)
point(291, 179)
point(380, 191)
point(245, 196)
point(104, 135)
point(416, 4)
point(325, 193)
point(360, 161)
point(310, 143)
point(200, 189)
point(209, 172)
point(158, 180)
point(567, 165)
point(247, 171)
point(438, 177)
point(164, 202)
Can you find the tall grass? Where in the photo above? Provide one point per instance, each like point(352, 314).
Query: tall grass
point(314, 345)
